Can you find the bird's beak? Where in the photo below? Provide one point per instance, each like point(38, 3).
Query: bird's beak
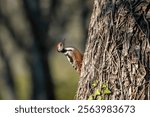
point(63, 40)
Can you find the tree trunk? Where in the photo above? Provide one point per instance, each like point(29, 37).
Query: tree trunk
point(116, 63)
point(43, 87)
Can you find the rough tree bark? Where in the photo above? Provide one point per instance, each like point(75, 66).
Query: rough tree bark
point(116, 62)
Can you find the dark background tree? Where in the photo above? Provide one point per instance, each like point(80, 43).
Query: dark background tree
point(116, 62)
point(29, 63)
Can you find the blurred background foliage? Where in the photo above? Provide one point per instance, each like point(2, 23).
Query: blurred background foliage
point(30, 66)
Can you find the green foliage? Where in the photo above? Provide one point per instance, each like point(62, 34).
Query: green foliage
point(100, 91)
point(90, 97)
point(105, 89)
point(95, 83)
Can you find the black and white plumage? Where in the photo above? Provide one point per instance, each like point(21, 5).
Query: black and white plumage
point(73, 55)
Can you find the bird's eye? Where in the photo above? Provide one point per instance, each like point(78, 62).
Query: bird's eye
point(61, 44)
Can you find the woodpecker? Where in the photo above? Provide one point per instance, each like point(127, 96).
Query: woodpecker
point(73, 55)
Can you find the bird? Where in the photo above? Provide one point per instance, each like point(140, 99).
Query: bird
point(73, 55)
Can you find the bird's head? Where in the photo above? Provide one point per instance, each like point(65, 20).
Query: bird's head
point(60, 46)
